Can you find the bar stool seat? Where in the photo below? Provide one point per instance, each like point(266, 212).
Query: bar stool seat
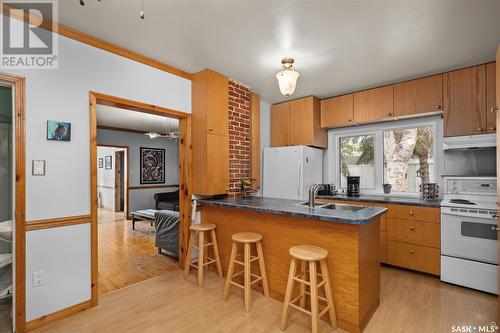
point(203, 258)
point(309, 256)
point(246, 239)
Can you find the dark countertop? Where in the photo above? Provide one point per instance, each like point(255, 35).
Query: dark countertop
point(290, 208)
point(385, 199)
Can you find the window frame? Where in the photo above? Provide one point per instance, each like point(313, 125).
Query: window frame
point(377, 130)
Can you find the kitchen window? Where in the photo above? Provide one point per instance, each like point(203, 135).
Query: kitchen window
point(402, 155)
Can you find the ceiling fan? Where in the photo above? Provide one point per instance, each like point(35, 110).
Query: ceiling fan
point(171, 135)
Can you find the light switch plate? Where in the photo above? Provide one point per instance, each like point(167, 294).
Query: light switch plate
point(38, 168)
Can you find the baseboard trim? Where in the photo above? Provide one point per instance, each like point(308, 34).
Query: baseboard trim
point(47, 319)
point(57, 222)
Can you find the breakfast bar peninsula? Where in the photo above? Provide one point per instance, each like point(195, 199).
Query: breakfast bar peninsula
point(350, 234)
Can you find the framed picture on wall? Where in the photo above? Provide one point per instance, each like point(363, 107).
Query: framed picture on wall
point(58, 130)
point(108, 161)
point(101, 163)
point(152, 166)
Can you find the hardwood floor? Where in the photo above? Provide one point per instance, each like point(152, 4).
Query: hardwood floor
point(127, 256)
point(410, 302)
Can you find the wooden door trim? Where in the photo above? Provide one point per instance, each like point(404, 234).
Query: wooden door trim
point(57, 222)
point(185, 173)
point(18, 84)
point(97, 43)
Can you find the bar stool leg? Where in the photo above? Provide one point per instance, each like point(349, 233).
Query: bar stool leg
point(247, 283)
point(187, 264)
point(216, 252)
point(230, 270)
point(328, 294)
point(262, 266)
point(288, 294)
point(304, 277)
point(313, 280)
point(201, 257)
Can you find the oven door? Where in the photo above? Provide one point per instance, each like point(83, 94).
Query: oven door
point(469, 238)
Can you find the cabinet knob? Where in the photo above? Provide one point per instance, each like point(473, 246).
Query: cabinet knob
point(412, 252)
point(492, 128)
point(480, 129)
point(438, 107)
point(389, 114)
point(494, 108)
point(349, 121)
point(412, 227)
point(411, 213)
point(210, 129)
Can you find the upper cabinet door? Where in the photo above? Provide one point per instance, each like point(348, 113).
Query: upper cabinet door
point(418, 96)
point(305, 127)
point(337, 111)
point(217, 104)
point(491, 103)
point(280, 125)
point(465, 101)
point(374, 104)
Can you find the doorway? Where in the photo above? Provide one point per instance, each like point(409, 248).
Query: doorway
point(128, 161)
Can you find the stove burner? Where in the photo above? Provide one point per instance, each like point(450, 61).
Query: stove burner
point(461, 202)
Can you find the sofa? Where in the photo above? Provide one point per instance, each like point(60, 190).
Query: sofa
point(167, 232)
point(167, 201)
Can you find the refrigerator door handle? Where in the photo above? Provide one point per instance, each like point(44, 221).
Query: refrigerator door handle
point(299, 166)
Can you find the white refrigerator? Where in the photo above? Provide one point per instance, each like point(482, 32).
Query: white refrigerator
point(289, 172)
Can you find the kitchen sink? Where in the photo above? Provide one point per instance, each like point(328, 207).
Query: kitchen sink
point(334, 206)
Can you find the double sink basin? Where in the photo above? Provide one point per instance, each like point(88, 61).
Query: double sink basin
point(335, 206)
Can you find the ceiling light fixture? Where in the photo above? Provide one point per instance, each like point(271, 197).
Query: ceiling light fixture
point(142, 10)
point(171, 135)
point(287, 77)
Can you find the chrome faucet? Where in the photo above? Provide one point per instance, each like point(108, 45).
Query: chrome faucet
point(313, 192)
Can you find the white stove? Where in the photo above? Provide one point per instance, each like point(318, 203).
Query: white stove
point(469, 232)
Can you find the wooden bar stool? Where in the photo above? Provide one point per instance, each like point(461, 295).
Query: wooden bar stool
point(203, 258)
point(311, 255)
point(247, 239)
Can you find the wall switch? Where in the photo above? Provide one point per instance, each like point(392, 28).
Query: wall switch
point(37, 278)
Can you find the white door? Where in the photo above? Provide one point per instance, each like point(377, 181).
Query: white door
point(282, 173)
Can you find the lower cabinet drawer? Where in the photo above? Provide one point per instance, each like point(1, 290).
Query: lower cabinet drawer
point(383, 247)
point(416, 257)
point(414, 232)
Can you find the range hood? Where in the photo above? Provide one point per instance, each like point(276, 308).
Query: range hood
point(470, 141)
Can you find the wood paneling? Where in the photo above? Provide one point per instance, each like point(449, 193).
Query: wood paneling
point(419, 96)
point(147, 187)
point(44, 320)
point(96, 42)
point(491, 103)
point(374, 104)
point(416, 257)
point(280, 125)
point(337, 111)
point(210, 138)
point(414, 232)
point(383, 247)
point(186, 184)
point(465, 101)
point(353, 265)
point(255, 138)
point(57, 222)
point(414, 213)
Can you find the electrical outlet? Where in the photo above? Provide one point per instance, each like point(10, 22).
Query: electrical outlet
point(37, 278)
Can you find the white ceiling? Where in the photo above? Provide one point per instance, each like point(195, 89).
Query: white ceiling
point(338, 46)
point(115, 117)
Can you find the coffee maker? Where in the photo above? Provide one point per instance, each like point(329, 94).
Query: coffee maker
point(352, 186)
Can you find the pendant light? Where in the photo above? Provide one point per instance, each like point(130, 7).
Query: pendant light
point(142, 10)
point(287, 77)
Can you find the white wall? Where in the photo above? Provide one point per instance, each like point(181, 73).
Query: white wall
point(63, 94)
point(143, 199)
point(265, 137)
point(106, 178)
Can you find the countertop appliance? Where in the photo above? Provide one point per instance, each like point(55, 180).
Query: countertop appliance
point(352, 186)
point(469, 232)
point(289, 172)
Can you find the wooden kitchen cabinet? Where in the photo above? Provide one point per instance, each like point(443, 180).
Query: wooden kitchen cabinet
point(465, 101)
point(374, 104)
point(416, 257)
point(337, 111)
point(297, 123)
point(210, 133)
point(419, 96)
point(491, 103)
point(280, 125)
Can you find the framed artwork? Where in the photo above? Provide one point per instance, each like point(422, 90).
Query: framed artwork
point(108, 161)
point(58, 130)
point(152, 166)
point(101, 163)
